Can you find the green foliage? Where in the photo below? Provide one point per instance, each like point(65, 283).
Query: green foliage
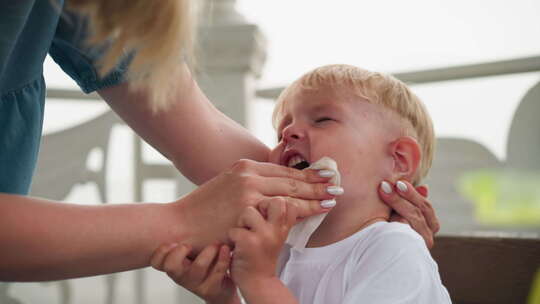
point(503, 197)
point(534, 296)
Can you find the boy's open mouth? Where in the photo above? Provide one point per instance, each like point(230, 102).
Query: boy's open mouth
point(297, 162)
point(302, 165)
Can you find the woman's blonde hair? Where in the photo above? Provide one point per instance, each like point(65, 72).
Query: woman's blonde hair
point(158, 32)
point(377, 88)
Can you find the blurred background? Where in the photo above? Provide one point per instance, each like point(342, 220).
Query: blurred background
point(475, 64)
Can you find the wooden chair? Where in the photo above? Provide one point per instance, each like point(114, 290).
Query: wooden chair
point(487, 269)
point(63, 158)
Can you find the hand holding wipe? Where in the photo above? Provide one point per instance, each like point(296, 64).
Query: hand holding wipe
point(301, 232)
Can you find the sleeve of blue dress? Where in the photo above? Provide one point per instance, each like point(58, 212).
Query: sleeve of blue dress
point(80, 62)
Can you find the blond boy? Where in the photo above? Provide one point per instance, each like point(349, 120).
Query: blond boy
point(376, 129)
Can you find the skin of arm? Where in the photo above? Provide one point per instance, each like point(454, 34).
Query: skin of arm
point(199, 139)
point(45, 240)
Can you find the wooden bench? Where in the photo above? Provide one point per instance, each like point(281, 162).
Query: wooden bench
point(487, 269)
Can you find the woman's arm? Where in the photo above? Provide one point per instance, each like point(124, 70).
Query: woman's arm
point(199, 139)
point(45, 240)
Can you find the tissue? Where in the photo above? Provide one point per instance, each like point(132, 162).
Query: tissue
point(299, 234)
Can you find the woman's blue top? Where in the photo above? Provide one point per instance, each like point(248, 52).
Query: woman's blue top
point(29, 29)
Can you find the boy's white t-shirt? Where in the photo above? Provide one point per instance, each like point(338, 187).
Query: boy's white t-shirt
point(382, 263)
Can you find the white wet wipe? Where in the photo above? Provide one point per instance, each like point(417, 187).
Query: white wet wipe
point(299, 234)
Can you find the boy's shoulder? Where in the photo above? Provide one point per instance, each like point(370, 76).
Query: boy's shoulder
point(396, 232)
point(388, 241)
point(390, 263)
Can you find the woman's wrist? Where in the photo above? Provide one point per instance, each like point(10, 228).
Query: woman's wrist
point(176, 223)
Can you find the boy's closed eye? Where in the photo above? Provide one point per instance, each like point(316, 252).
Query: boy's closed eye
point(323, 119)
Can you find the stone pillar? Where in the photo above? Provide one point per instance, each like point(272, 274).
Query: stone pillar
point(230, 55)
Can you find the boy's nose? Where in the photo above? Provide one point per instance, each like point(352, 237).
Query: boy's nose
point(293, 132)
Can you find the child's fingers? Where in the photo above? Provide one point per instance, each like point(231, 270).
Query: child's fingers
point(200, 267)
point(237, 234)
point(292, 214)
point(251, 219)
point(276, 210)
point(218, 272)
point(174, 264)
point(159, 255)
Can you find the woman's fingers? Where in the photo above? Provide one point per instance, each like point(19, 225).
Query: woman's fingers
point(407, 191)
point(218, 272)
point(408, 210)
point(158, 258)
point(304, 208)
point(423, 190)
point(281, 214)
point(276, 180)
point(279, 186)
point(200, 267)
point(395, 217)
point(292, 215)
point(276, 210)
point(176, 264)
point(272, 170)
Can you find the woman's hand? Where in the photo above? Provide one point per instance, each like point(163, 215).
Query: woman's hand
point(411, 206)
point(214, 208)
point(206, 276)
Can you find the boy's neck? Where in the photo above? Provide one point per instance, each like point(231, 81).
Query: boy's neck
point(350, 217)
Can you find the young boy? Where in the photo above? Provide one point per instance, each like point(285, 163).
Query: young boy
point(376, 129)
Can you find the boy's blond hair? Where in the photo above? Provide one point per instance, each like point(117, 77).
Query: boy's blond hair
point(377, 88)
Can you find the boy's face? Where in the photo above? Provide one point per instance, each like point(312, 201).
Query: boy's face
point(335, 123)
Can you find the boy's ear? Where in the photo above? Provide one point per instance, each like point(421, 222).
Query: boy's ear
point(406, 155)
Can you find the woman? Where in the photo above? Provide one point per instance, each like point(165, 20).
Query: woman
point(43, 240)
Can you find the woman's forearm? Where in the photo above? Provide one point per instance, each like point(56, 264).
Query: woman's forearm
point(45, 240)
point(192, 133)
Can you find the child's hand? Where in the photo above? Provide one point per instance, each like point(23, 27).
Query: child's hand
point(206, 276)
point(258, 241)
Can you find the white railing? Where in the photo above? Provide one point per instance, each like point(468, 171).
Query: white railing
point(461, 72)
